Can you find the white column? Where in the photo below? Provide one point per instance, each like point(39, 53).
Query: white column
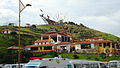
point(41, 38)
point(92, 45)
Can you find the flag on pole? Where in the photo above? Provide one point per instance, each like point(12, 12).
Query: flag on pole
point(21, 6)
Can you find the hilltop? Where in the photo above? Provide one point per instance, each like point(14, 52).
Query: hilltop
point(79, 31)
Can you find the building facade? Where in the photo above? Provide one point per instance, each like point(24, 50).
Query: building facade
point(61, 42)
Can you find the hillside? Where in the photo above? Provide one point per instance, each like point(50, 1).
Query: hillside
point(74, 30)
point(30, 34)
point(79, 31)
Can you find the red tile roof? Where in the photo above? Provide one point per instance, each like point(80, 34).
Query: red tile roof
point(62, 43)
point(14, 47)
point(98, 41)
point(39, 41)
point(40, 45)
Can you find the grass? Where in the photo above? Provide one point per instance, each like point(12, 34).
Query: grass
point(25, 29)
point(45, 26)
point(86, 57)
point(48, 56)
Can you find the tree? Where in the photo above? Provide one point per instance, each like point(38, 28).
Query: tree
point(33, 26)
point(75, 56)
point(72, 23)
point(11, 24)
point(13, 33)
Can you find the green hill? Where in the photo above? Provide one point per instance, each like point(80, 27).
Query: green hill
point(29, 35)
point(79, 31)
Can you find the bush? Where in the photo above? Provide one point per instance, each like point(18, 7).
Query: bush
point(13, 33)
point(38, 30)
point(75, 56)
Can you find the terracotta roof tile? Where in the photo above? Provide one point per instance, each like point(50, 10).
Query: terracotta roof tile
point(40, 45)
point(14, 47)
point(98, 41)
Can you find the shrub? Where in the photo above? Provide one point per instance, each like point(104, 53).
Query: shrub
point(13, 33)
point(75, 56)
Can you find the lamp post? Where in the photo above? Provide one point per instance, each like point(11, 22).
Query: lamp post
point(21, 8)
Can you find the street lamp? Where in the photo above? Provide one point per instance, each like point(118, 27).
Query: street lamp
point(21, 8)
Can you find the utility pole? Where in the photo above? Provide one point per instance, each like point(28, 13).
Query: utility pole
point(21, 8)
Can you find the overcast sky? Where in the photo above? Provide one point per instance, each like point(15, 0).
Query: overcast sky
point(102, 15)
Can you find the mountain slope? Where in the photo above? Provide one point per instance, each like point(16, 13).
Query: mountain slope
point(80, 31)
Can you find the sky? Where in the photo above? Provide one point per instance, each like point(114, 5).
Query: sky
point(102, 15)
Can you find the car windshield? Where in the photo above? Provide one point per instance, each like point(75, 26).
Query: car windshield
point(113, 64)
point(31, 67)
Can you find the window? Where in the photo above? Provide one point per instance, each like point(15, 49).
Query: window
point(113, 64)
point(78, 65)
point(59, 38)
point(48, 48)
point(102, 65)
point(38, 43)
point(94, 65)
point(106, 45)
point(69, 66)
point(86, 65)
point(63, 39)
point(14, 66)
point(7, 66)
point(31, 67)
point(85, 46)
point(43, 67)
point(100, 44)
point(34, 48)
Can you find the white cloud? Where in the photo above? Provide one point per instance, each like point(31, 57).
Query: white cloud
point(103, 23)
point(101, 15)
point(7, 16)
